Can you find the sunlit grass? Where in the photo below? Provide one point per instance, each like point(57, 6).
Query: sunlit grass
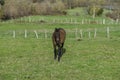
point(33, 59)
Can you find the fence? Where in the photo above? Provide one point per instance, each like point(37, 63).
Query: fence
point(64, 21)
point(91, 33)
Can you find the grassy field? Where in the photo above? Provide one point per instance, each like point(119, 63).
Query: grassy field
point(32, 59)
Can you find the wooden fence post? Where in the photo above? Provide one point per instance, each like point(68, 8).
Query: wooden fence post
point(95, 33)
point(45, 34)
point(108, 32)
point(25, 33)
point(14, 34)
point(82, 21)
point(89, 34)
point(36, 34)
point(81, 35)
point(103, 21)
point(117, 21)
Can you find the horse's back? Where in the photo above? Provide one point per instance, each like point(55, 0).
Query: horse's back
point(62, 35)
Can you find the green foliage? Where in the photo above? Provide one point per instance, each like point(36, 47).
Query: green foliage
point(95, 10)
point(2, 2)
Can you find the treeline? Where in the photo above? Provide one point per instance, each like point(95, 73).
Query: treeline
point(18, 8)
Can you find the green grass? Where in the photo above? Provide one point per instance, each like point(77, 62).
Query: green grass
point(32, 59)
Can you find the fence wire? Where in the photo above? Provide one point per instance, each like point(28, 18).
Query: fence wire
point(71, 33)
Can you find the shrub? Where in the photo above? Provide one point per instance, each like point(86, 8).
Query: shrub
point(2, 2)
point(113, 15)
point(14, 9)
point(59, 8)
point(20, 8)
point(47, 8)
point(95, 10)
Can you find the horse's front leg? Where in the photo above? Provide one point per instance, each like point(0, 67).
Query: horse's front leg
point(59, 53)
point(55, 53)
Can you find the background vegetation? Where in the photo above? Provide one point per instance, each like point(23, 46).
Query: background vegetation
point(10, 9)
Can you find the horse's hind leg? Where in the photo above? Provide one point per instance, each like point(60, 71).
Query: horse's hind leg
point(55, 53)
point(62, 45)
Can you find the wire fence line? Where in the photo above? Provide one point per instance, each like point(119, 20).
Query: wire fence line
point(64, 21)
point(76, 33)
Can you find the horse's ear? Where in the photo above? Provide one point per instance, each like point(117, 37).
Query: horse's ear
point(56, 29)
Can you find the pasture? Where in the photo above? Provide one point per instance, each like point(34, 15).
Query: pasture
point(33, 59)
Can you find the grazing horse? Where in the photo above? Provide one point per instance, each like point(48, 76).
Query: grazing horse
point(58, 39)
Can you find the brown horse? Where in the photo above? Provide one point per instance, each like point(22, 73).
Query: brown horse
point(58, 39)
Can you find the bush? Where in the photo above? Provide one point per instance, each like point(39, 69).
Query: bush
point(58, 8)
point(2, 2)
point(113, 15)
point(14, 9)
point(19, 8)
point(47, 8)
point(98, 10)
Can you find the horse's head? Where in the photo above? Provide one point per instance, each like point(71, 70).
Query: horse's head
point(57, 36)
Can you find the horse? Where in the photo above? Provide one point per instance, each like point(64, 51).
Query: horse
point(58, 38)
